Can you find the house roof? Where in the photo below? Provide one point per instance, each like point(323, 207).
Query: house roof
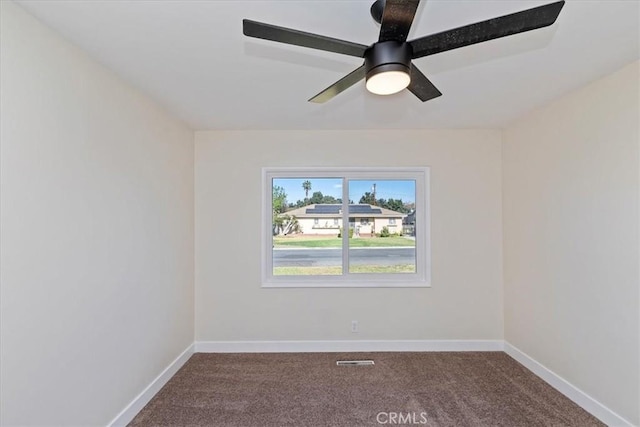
point(334, 210)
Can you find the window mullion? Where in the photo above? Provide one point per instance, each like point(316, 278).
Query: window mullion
point(345, 226)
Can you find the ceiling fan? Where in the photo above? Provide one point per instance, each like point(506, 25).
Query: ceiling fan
point(387, 64)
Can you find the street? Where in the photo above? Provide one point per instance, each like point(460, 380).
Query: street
point(357, 256)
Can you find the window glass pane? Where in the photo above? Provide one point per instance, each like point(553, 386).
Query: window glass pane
point(377, 237)
point(378, 213)
point(307, 221)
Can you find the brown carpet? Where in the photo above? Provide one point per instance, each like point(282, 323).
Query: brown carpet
point(434, 389)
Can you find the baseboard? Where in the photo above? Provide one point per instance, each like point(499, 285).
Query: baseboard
point(129, 413)
point(581, 398)
point(345, 346)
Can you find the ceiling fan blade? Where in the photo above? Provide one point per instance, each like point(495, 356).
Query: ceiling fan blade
point(397, 18)
point(519, 22)
point(300, 38)
point(341, 85)
point(421, 86)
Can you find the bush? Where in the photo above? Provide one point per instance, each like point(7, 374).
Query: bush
point(350, 232)
point(385, 232)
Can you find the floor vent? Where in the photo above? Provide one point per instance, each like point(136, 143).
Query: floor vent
point(355, 363)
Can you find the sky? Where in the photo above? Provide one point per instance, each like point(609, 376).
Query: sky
point(385, 189)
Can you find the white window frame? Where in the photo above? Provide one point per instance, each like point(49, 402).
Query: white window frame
point(422, 276)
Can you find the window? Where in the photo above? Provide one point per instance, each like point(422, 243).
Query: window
point(330, 227)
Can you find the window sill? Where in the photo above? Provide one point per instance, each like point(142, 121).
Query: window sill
point(333, 282)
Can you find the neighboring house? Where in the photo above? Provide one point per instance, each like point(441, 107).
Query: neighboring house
point(410, 218)
point(409, 224)
point(364, 219)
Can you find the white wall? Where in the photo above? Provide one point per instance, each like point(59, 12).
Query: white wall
point(571, 239)
point(97, 250)
point(465, 301)
point(97, 233)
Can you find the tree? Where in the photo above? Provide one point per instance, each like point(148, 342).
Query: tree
point(316, 198)
point(285, 224)
point(279, 202)
point(367, 198)
point(396, 205)
point(278, 206)
point(330, 200)
point(306, 186)
point(282, 223)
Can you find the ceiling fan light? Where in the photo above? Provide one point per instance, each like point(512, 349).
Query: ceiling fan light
point(388, 82)
point(388, 66)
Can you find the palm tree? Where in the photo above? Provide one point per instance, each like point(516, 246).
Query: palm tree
point(306, 186)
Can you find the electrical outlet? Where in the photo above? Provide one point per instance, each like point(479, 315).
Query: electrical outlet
point(354, 326)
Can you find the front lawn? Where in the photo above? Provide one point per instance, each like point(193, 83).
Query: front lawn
point(337, 270)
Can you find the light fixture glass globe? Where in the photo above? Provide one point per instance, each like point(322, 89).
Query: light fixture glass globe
point(388, 82)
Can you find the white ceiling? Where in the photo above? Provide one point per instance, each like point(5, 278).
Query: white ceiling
point(192, 57)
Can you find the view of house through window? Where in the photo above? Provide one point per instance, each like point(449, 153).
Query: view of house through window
point(307, 221)
point(344, 225)
point(379, 244)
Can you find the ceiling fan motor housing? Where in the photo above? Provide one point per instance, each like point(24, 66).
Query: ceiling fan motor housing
point(388, 56)
point(377, 10)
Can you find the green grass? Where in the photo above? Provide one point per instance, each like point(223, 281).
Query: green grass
point(307, 271)
point(337, 270)
point(336, 242)
point(402, 268)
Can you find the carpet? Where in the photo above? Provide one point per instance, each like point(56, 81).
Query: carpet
point(434, 389)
